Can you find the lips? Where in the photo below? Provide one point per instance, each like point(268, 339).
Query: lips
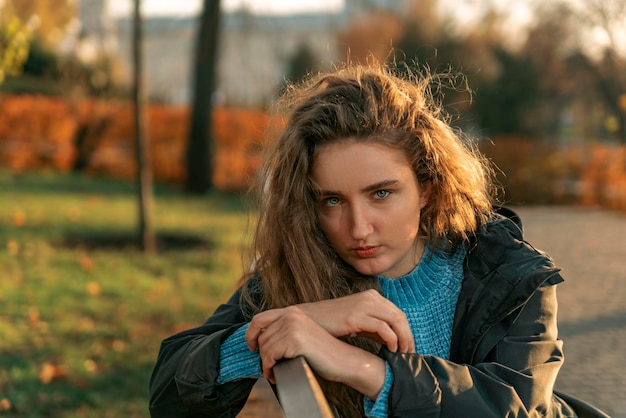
point(366, 252)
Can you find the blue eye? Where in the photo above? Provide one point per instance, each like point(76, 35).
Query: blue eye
point(381, 194)
point(331, 201)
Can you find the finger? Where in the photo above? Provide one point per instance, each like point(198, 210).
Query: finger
point(406, 340)
point(400, 325)
point(388, 335)
point(397, 336)
point(252, 336)
point(268, 336)
point(380, 331)
point(258, 324)
point(381, 308)
point(268, 363)
point(270, 377)
point(272, 346)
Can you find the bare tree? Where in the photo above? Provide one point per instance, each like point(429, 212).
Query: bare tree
point(144, 170)
point(604, 63)
point(199, 147)
point(610, 71)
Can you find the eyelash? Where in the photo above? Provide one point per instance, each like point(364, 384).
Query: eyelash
point(378, 195)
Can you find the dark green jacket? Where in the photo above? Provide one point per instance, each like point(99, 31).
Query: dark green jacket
point(504, 358)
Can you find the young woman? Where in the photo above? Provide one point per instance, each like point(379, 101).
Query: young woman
point(378, 257)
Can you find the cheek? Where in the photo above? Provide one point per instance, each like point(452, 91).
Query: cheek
point(331, 227)
point(407, 220)
point(407, 231)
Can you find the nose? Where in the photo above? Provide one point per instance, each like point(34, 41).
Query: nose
point(360, 223)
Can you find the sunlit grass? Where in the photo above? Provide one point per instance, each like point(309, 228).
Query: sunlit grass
point(80, 327)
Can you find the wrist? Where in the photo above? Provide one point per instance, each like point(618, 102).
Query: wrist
point(364, 372)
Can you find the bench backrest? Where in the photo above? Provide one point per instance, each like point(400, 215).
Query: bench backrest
point(299, 392)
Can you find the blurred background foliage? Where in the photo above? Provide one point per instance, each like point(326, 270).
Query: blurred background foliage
point(14, 44)
point(546, 103)
point(48, 69)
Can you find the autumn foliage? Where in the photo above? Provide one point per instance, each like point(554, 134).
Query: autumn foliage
point(538, 172)
point(39, 132)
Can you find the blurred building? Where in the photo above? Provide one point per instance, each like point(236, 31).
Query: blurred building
point(255, 50)
point(92, 36)
point(97, 30)
point(168, 54)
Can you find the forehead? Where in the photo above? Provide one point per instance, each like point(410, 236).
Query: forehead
point(358, 162)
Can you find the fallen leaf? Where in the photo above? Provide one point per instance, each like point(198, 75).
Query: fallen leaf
point(5, 404)
point(19, 218)
point(50, 372)
point(72, 214)
point(13, 247)
point(94, 289)
point(33, 316)
point(85, 324)
point(118, 345)
point(90, 366)
point(86, 263)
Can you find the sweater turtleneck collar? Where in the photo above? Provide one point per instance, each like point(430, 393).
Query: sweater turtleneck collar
point(435, 269)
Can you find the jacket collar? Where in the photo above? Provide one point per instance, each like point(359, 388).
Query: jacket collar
point(502, 271)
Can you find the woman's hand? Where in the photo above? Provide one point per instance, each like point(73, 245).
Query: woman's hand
point(290, 332)
point(367, 314)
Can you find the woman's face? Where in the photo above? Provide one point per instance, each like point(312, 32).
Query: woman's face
point(369, 204)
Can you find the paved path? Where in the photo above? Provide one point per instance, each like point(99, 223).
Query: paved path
point(590, 246)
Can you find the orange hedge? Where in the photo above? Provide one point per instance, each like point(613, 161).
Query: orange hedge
point(536, 172)
point(41, 132)
point(36, 132)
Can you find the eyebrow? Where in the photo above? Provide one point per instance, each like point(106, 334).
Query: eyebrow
point(370, 188)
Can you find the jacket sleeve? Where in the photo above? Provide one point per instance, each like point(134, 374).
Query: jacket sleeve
point(515, 378)
point(183, 382)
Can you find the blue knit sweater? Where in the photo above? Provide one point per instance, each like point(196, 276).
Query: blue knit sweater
point(427, 295)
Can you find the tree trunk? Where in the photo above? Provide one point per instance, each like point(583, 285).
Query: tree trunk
point(144, 168)
point(87, 139)
point(199, 159)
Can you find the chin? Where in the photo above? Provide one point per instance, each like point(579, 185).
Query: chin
point(369, 270)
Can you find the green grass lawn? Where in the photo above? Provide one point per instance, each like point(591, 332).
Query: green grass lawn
point(80, 327)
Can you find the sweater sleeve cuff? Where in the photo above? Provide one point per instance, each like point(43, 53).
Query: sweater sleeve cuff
point(380, 407)
point(236, 360)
